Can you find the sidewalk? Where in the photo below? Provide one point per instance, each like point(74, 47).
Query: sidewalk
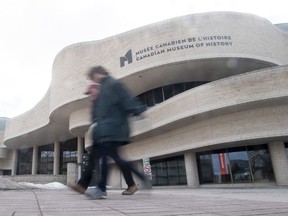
point(203, 202)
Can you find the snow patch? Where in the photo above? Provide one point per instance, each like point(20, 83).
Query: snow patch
point(49, 186)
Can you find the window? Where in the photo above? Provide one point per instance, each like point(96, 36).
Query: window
point(158, 95)
point(214, 167)
point(221, 167)
point(260, 162)
point(182, 172)
point(68, 154)
point(159, 173)
point(179, 88)
point(235, 165)
point(169, 171)
point(142, 98)
point(168, 92)
point(24, 162)
point(45, 159)
point(7, 172)
point(240, 167)
point(150, 99)
point(189, 85)
point(205, 168)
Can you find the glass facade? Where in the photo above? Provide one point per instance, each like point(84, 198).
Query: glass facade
point(24, 161)
point(235, 165)
point(45, 159)
point(169, 171)
point(158, 95)
point(68, 154)
point(7, 172)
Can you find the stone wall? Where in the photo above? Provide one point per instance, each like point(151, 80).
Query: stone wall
point(38, 179)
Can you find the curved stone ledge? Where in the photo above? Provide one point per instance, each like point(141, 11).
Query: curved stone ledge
point(250, 91)
point(250, 127)
point(79, 122)
point(246, 91)
point(32, 120)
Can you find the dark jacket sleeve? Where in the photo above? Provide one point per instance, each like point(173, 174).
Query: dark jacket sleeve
point(130, 104)
point(93, 113)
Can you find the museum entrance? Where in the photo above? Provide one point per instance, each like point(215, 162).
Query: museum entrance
point(246, 164)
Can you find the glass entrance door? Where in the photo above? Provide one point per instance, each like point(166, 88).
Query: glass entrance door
point(235, 165)
point(221, 168)
point(240, 167)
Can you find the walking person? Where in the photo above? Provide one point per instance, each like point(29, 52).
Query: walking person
point(111, 111)
point(93, 155)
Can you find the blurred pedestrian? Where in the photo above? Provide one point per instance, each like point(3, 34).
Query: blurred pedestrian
point(111, 111)
point(93, 155)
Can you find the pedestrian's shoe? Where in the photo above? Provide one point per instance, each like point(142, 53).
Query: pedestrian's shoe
point(130, 190)
point(95, 193)
point(78, 188)
point(92, 190)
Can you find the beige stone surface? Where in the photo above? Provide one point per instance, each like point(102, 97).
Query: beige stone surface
point(256, 126)
point(78, 119)
point(5, 154)
point(279, 161)
point(3, 149)
point(72, 174)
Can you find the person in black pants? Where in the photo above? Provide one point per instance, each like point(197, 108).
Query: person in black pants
point(110, 113)
point(93, 155)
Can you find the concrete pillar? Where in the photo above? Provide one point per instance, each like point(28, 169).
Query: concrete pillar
point(35, 160)
point(56, 164)
point(14, 161)
point(80, 147)
point(80, 152)
point(279, 162)
point(138, 165)
point(72, 174)
point(191, 169)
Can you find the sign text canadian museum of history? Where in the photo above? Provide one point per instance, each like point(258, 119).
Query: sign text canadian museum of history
point(176, 45)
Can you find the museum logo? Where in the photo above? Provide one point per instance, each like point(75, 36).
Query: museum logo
point(126, 58)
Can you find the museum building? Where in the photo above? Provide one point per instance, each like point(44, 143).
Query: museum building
point(215, 85)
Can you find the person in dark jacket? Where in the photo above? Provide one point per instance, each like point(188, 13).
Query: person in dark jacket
point(110, 113)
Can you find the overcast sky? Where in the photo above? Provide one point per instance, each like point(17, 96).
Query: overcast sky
point(34, 31)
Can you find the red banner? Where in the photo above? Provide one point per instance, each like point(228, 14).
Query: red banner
point(223, 165)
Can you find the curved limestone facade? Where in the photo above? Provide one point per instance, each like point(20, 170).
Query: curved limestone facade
point(216, 88)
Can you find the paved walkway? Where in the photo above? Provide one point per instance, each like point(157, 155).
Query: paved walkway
point(203, 202)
